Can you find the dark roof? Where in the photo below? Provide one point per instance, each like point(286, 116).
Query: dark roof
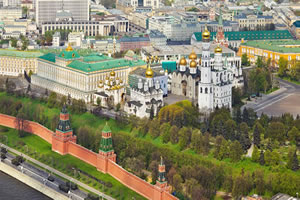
point(297, 24)
point(136, 103)
point(102, 94)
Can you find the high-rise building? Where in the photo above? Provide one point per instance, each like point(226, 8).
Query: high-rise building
point(50, 10)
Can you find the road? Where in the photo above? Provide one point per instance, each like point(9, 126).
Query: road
point(59, 173)
point(279, 102)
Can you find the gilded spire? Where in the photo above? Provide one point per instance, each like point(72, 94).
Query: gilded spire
point(69, 48)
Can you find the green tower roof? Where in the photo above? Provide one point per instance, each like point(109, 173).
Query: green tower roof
point(106, 129)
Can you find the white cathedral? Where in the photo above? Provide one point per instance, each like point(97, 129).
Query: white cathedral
point(208, 82)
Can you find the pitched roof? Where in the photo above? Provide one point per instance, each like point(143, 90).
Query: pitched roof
point(23, 54)
point(107, 64)
point(49, 57)
point(250, 35)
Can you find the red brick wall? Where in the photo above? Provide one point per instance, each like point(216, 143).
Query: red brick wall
point(82, 153)
point(104, 164)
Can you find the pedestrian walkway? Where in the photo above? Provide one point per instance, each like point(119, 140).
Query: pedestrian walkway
point(59, 173)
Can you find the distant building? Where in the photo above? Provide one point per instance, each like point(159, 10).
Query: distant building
point(139, 3)
point(71, 74)
point(10, 13)
point(15, 63)
point(296, 29)
point(235, 38)
point(146, 98)
point(11, 3)
point(273, 49)
point(47, 10)
point(253, 22)
point(159, 74)
point(75, 38)
point(157, 38)
point(56, 39)
point(131, 43)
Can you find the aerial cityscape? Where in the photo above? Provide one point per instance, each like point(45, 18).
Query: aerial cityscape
point(150, 99)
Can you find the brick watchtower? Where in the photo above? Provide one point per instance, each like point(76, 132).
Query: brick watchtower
point(162, 187)
point(63, 133)
point(106, 151)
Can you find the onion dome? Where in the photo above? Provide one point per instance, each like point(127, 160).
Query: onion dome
point(149, 72)
point(206, 34)
point(182, 61)
point(69, 48)
point(193, 56)
point(193, 64)
point(156, 58)
point(107, 78)
point(112, 73)
point(218, 49)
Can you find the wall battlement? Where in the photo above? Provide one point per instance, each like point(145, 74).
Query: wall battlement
point(106, 163)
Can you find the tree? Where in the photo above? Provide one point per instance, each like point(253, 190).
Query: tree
point(230, 128)
point(52, 100)
point(271, 158)
point(292, 160)
point(14, 42)
point(21, 123)
point(245, 115)
point(184, 137)
point(239, 187)
point(276, 131)
point(244, 136)
point(177, 182)
point(235, 152)
point(174, 134)
point(259, 181)
point(228, 183)
point(189, 185)
point(245, 60)
point(259, 62)
point(99, 102)
point(294, 136)
point(153, 129)
point(165, 132)
point(262, 158)
point(283, 64)
point(257, 131)
point(255, 154)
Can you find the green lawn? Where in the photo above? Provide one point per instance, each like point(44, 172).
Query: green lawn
point(35, 143)
point(290, 80)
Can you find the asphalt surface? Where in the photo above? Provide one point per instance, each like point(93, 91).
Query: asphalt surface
point(284, 100)
point(75, 194)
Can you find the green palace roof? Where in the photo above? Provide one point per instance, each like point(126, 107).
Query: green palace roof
point(250, 35)
point(107, 64)
point(23, 54)
point(49, 56)
point(95, 58)
point(69, 54)
point(287, 46)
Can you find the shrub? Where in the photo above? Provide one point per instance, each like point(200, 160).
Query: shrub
point(91, 197)
point(20, 159)
point(20, 143)
point(71, 185)
point(109, 184)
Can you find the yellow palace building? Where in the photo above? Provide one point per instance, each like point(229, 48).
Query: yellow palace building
point(288, 49)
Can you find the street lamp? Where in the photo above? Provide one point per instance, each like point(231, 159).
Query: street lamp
point(6, 139)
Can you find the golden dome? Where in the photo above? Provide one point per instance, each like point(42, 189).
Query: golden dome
point(69, 48)
point(218, 49)
point(107, 78)
point(206, 34)
point(193, 56)
point(100, 82)
point(182, 61)
point(112, 73)
point(149, 72)
point(193, 64)
point(121, 81)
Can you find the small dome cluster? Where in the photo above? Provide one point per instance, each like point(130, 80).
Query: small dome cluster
point(111, 82)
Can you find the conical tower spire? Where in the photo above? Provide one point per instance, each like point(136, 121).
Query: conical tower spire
point(106, 140)
point(161, 172)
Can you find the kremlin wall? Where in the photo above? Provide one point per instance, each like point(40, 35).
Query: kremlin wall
point(64, 142)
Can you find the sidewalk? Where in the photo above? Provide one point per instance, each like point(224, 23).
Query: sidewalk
point(59, 173)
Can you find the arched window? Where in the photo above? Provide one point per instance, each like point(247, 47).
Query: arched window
point(206, 90)
point(201, 90)
point(210, 90)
